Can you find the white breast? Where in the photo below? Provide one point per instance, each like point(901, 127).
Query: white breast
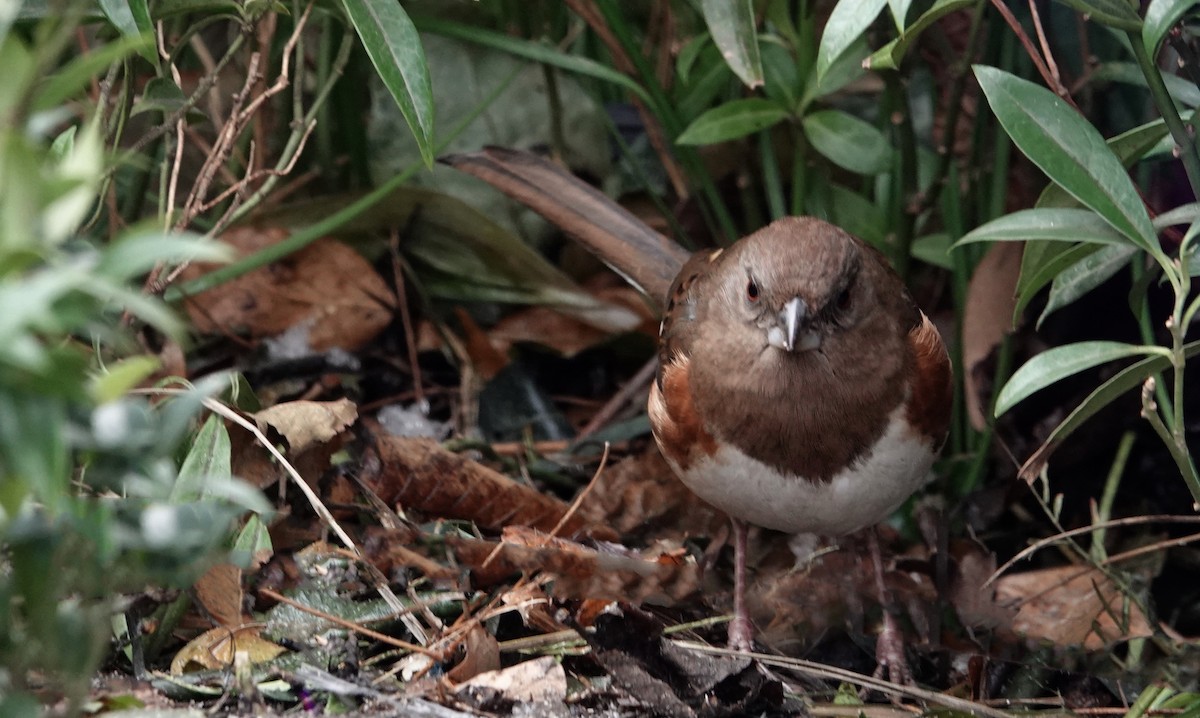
point(859, 496)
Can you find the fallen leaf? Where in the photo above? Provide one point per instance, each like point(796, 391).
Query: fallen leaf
point(481, 655)
point(542, 679)
point(326, 290)
point(987, 319)
point(1072, 606)
point(215, 649)
point(219, 591)
point(308, 423)
point(419, 474)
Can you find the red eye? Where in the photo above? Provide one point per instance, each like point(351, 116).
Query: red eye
point(752, 291)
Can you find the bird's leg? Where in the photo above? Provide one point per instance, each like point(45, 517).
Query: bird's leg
point(741, 632)
point(889, 647)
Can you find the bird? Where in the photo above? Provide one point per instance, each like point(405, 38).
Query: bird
point(799, 386)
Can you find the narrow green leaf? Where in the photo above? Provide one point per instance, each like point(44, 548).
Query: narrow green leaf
point(1060, 225)
point(1161, 15)
point(1130, 74)
point(848, 21)
point(1183, 214)
point(731, 120)
point(1059, 363)
point(889, 56)
point(1041, 261)
point(132, 19)
point(899, 10)
point(71, 79)
point(847, 68)
point(538, 52)
point(1084, 276)
point(118, 378)
point(392, 43)
point(1114, 13)
point(1129, 378)
point(206, 462)
point(1069, 150)
point(9, 9)
point(847, 141)
point(731, 23)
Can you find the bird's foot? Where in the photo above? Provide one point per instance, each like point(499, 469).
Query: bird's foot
point(889, 654)
point(741, 634)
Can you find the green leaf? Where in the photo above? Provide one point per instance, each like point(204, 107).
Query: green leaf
point(1123, 381)
point(1069, 150)
point(538, 52)
point(1114, 13)
point(1041, 262)
point(934, 249)
point(137, 252)
point(1060, 225)
point(899, 10)
point(117, 379)
point(74, 77)
point(847, 68)
point(207, 462)
point(731, 120)
point(392, 43)
point(889, 56)
point(780, 82)
point(847, 23)
point(132, 19)
point(858, 215)
point(1161, 15)
point(9, 9)
point(848, 142)
point(1085, 275)
point(1056, 364)
point(1126, 72)
point(731, 23)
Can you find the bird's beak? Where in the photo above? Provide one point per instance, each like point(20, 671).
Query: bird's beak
point(791, 332)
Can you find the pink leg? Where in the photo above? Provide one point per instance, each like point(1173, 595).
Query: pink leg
point(741, 632)
point(889, 647)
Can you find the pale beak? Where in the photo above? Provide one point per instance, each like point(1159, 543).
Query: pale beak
point(790, 332)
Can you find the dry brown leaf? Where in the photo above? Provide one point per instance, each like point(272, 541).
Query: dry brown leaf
point(640, 493)
point(581, 572)
point(308, 423)
point(976, 604)
point(216, 648)
point(1072, 606)
point(419, 474)
point(541, 679)
point(486, 358)
point(326, 288)
point(987, 318)
point(219, 592)
point(567, 334)
point(481, 654)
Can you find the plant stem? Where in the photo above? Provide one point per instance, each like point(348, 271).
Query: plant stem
point(1178, 453)
point(1168, 110)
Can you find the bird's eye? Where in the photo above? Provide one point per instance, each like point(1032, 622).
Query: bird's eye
point(752, 291)
point(843, 299)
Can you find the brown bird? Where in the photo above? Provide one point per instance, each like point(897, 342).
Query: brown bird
point(799, 387)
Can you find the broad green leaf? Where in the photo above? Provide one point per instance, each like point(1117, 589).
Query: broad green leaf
point(847, 68)
point(858, 215)
point(731, 23)
point(847, 141)
point(731, 120)
point(79, 169)
point(132, 19)
point(1161, 15)
point(848, 21)
point(889, 56)
point(207, 462)
point(934, 249)
point(1069, 150)
point(1129, 147)
point(1114, 13)
point(1084, 276)
point(392, 43)
point(1061, 225)
point(1183, 91)
point(1056, 364)
point(780, 82)
point(1129, 378)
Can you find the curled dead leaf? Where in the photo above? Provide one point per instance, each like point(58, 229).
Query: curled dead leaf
point(307, 423)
